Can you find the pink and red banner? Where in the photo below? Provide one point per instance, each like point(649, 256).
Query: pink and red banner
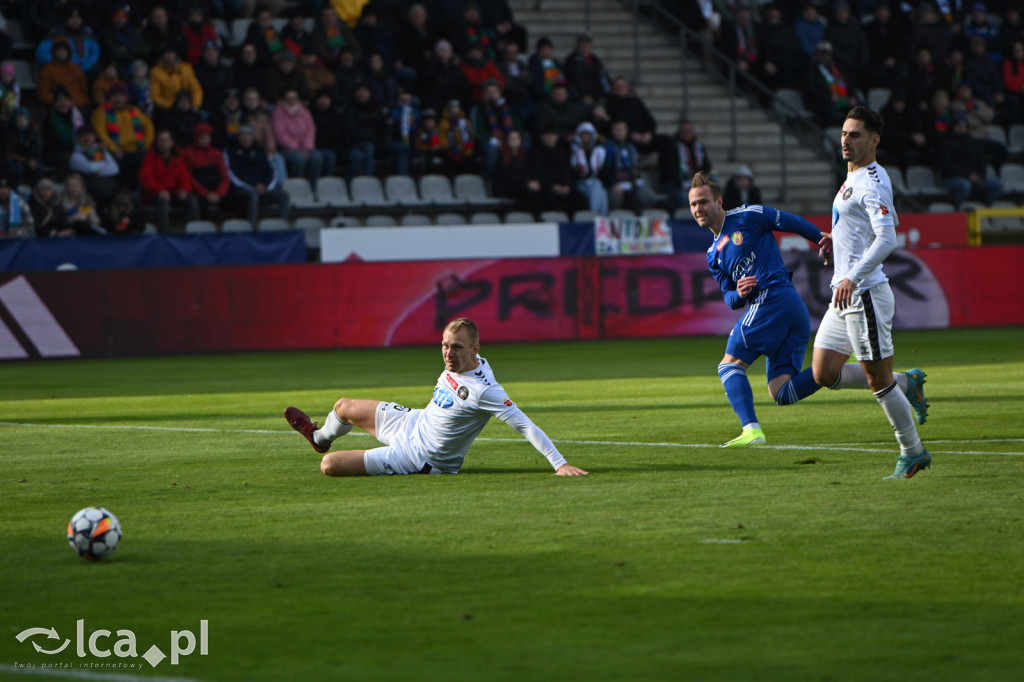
point(247, 308)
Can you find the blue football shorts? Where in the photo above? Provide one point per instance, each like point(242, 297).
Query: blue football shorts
point(775, 325)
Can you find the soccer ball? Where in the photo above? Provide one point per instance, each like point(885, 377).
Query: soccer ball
point(94, 533)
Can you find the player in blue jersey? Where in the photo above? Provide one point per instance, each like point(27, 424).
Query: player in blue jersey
point(745, 259)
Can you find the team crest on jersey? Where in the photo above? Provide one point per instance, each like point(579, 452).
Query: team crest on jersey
point(508, 402)
point(848, 193)
point(884, 209)
point(463, 392)
point(451, 382)
point(737, 238)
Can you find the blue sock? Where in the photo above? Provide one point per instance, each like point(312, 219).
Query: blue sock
point(737, 390)
point(797, 388)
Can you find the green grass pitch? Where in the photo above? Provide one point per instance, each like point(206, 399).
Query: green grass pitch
point(673, 560)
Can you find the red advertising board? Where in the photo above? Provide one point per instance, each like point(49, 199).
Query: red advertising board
point(915, 231)
point(192, 310)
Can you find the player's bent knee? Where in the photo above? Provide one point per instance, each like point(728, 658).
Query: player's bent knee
point(341, 407)
point(823, 377)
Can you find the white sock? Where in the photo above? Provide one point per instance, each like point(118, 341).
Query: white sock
point(902, 380)
point(897, 408)
point(851, 375)
point(333, 428)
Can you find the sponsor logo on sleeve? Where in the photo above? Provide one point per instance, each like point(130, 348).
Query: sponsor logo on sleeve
point(451, 382)
point(508, 402)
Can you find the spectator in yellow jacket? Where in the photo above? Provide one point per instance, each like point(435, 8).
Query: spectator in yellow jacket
point(170, 76)
point(124, 130)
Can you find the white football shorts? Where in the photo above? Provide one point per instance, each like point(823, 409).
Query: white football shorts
point(863, 329)
point(395, 424)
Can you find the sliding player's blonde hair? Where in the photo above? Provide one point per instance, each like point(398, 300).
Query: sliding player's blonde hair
point(703, 179)
point(464, 323)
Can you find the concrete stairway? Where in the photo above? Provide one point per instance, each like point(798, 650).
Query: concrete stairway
point(659, 82)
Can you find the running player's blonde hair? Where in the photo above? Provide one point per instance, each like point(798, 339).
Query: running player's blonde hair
point(703, 179)
point(464, 323)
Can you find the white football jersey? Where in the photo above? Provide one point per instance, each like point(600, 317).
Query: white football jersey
point(459, 411)
point(863, 227)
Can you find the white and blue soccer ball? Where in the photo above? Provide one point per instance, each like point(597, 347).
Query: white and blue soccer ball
point(94, 533)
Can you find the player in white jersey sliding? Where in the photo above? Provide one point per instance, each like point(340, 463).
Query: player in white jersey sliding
point(433, 440)
point(859, 319)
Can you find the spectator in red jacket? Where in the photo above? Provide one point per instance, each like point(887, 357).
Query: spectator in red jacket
point(198, 31)
point(479, 69)
point(205, 164)
point(166, 183)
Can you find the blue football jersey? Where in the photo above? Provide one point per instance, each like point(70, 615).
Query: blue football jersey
point(746, 246)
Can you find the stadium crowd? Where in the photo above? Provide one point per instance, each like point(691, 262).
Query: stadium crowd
point(150, 113)
point(951, 68)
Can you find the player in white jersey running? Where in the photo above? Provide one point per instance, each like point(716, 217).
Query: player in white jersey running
point(433, 440)
point(859, 320)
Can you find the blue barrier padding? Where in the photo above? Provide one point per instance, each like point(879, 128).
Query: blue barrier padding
point(144, 251)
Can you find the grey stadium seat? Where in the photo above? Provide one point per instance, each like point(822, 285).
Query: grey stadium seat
point(333, 192)
point(450, 219)
point(236, 225)
point(438, 190)
point(401, 189)
point(366, 190)
point(471, 189)
point(200, 227)
point(300, 193)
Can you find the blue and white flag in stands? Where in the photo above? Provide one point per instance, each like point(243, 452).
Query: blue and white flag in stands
point(631, 236)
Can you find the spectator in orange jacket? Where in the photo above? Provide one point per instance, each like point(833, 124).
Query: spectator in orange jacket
point(166, 182)
point(170, 76)
point(205, 163)
point(62, 71)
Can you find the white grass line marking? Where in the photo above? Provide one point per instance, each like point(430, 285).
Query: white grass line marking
point(87, 675)
point(817, 447)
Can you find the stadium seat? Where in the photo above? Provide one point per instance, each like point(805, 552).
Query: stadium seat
point(833, 140)
point(306, 222)
point(554, 217)
point(583, 216)
point(472, 190)
point(236, 225)
point(621, 213)
point(416, 219)
point(366, 190)
point(921, 182)
point(450, 219)
point(519, 217)
point(333, 192)
point(658, 213)
point(437, 189)
point(997, 134)
point(301, 193)
point(222, 29)
point(1012, 175)
point(971, 206)
point(401, 190)
point(200, 227)
point(18, 41)
point(379, 221)
point(878, 98)
point(273, 225)
point(485, 218)
point(23, 73)
point(312, 235)
point(682, 213)
point(789, 105)
point(150, 229)
point(899, 186)
point(941, 207)
point(239, 29)
point(1016, 139)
